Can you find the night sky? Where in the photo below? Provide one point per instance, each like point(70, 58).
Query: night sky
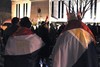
point(5, 9)
point(5, 5)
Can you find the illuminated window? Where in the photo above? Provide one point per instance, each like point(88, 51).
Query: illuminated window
point(60, 9)
point(25, 9)
point(52, 8)
point(17, 10)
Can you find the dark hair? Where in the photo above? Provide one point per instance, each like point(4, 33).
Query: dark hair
point(43, 23)
point(25, 22)
point(15, 20)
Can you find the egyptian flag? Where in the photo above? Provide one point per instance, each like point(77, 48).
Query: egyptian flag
point(75, 47)
point(22, 49)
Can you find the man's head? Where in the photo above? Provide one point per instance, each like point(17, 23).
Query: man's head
point(25, 22)
point(15, 20)
point(71, 16)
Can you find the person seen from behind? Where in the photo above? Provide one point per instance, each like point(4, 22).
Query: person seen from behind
point(22, 48)
point(9, 31)
point(75, 47)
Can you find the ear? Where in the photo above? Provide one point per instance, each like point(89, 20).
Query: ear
point(79, 16)
point(67, 13)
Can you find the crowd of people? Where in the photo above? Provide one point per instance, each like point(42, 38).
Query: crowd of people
point(95, 30)
point(72, 45)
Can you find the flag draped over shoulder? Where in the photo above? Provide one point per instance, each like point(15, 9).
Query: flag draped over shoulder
point(23, 49)
point(23, 42)
point(75, 47)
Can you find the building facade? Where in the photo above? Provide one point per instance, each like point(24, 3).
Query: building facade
point(38, 10)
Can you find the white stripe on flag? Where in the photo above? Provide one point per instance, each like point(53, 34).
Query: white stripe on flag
point(24, 44)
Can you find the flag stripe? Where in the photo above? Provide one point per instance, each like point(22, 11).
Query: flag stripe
point(24, 44)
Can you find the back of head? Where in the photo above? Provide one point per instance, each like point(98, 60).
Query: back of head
point(71, 16)
point(25, 22)
point(15, 20)
point(79, 16)
point(43, 23)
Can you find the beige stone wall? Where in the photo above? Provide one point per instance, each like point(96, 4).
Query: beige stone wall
point(44, 6)
point(13, 9)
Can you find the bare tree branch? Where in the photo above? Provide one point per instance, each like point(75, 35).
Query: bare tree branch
point(82, 5)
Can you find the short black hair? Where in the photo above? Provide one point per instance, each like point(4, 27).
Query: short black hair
point(15, 20)
point(25, 22)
